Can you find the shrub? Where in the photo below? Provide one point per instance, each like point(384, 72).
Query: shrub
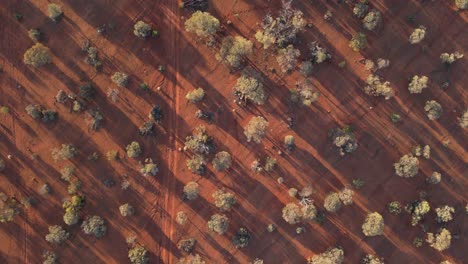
point(191, 190)
point(181, 218)
point(461, 4)
point(318, 54)
point(394, 207)
point(187, 245)
point(417, 84)
point(332, 202)
point(94, 225)
point(191, 259)
point(250, 88)
point(444, 214)
point(292, 192)
point(34, 34)
point(433, 110)
point(74, 185)
point(289, 142)
point(195, 95)
point(37, 56)
point(358, 42)
point(57, 235)
point(309, 212)
point(449, 58)
point(2, 165)
point(407, 167)
point(147, 128)
point(346, 196)
point(376, 87)
point(9, 209)
point(435, 178)
point(417, 35)
point(71, 217)
point(200, 142)
point(373, 225)
point(34, 111)
point(292, 213)
point(197, 164)
point(360, 9)
point(440, 241)
point(141, 29)
point(202, 24)
point(156, 114)
point(304, 93)
point(112, 155)
point(418, 210)
point(233, 50)
point(331, 256)
point(138, 255)
point(287, 58)
point(120, 78)
point(395, 118)
point(371, 259)
point(372, 20)
point(256, 128)
point(270, 164)
point(463, 120)
point(358, 183)
point(281, 30)
point(149, 169)
point(224, 200)
point(306, 68)
point(49, 257)
point(134, 150)
point(241, 238)
point(92, 58)
point(222, 161)
point(55, 12)
point(67, 151)
point(218, 223)
point(126, 210)
point(344, 140)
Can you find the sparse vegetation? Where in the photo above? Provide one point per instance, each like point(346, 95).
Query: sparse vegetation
point(249, 87)
point(120, 78)
point(444, 214)
point(332, 202)
point(65, 152)
point(440, 241)
point(376, 87)
point(126, 210)
point(224, 200)
point(133, 150)
point(197, 164)
point(241, 238)
point(331, 256)
point(358, 42)
point(195, 95)
point(344, 139)
point(417, 84)
point(418, 35)
point(287, 58)
point(138, 254)
point(57, 235)
point(372, 20)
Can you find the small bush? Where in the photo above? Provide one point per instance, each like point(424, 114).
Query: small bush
point(187, 245)
point(202, 24)
point(181, 218)
point(461, 4)
point(373, 225)
point(394, 207)
point(444, 214)
point(233, 51)
point(256, 129)
point(120, 78)
point(134, 150)
point(126, 210)
point(149, 169)
point(287, 58)
point(94, 225)
point(435, 178)
point(358, 42)
point(331, 256)
point(34, 34)
point(224, 200)
point(218, 223)
point(200, 142)
point(249, 87)
point(141, 29)
point(197, 164)
point(191, 190)
point(292, 213)
point(372, 20)
point(376, 87)
point(417, 84)
point(222, 161)
point(241, 238)
point(57, 235)
point(417, 35)
point(138, 255)
point(195, 95)
point(332, 202)
point(440, 241)
point(449, 58)
point(433, 110)
point(407, 167)
point(55, 12)
point(37, 56)
point(270, 164)
point(65, 152)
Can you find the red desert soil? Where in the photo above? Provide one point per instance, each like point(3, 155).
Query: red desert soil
point(190, 64)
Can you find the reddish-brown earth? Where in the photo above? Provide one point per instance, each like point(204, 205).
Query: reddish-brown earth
point(190, 64)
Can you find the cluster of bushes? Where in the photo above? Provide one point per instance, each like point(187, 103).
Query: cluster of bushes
point(39, 112)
